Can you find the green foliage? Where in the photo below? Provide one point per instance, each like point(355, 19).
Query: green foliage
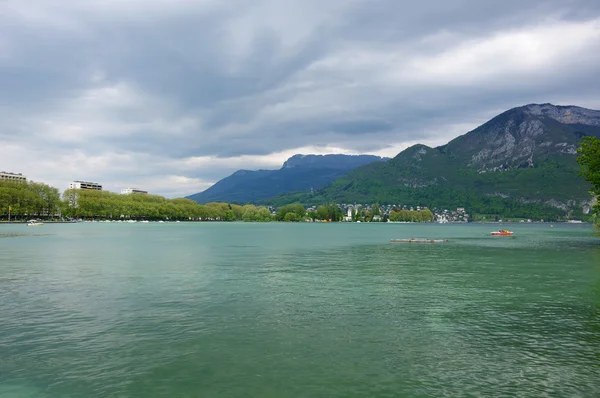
point(424, 215)
point(329, 212)
point(589, 162)
point(322, 213)
point(443, 183)
point(229, 216)
point(439, 196)
point(290, 217)
point(111, 206)
point(291, 212)
point(375, 209)
point(255, 214)
point(28, 199)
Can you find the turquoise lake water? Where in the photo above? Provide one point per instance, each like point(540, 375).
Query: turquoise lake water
point(298, 310)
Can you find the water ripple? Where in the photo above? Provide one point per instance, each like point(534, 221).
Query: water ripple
point(299, 310)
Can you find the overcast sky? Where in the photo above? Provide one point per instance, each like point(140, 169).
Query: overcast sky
point(173, 95)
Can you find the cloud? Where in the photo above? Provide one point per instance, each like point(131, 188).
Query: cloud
point(171, 96)
point(518, 53)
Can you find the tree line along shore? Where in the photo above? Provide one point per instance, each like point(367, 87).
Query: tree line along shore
point(21, 201)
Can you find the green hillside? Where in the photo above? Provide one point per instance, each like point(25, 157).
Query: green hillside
point(300, 172)
point(520, 164)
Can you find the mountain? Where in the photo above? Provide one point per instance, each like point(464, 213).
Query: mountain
point(519, 163)
point(300, 172)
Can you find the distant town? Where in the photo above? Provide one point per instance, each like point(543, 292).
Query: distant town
point(384, 212)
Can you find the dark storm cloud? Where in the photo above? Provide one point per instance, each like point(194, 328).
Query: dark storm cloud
point(190, 91)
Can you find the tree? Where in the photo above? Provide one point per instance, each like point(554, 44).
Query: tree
point(322, 213)
point(427, 215)
point(589, 162)
point(250, 213)
point(255, 214)
point(264, 215)
point(290, 217)
point(330, 212)
point(296, 208)
point(28, 199)
point(375, 209)
point(424, 215)
point(229, 215)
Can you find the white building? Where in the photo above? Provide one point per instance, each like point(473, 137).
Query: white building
point(85, 185)
point(128, 191)
point(349, 216)
point(6, 176)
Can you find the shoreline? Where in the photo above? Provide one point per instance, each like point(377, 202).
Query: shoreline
point(3, 222)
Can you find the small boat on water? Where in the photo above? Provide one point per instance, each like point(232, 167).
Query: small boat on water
point(502, 232)
point(34, 223)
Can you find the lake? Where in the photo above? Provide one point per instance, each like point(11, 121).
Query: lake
point(298, 310)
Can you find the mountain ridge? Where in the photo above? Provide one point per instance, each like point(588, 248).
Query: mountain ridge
point(522, 158)
point(299, 172)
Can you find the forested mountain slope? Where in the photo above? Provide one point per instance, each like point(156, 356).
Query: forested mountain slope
point(521, 160)
point(300, 172)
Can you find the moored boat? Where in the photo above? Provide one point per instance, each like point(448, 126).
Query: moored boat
point(34, 223)
point(502, 232)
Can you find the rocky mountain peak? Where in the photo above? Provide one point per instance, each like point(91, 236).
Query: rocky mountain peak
point(565, 114)
point(294, 161)
point(523, 136)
